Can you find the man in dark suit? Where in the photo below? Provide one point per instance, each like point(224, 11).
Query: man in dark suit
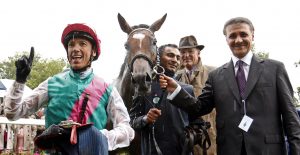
point(253, 99)
point(161, 124)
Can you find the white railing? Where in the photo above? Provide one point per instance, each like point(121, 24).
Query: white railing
point(22, 121)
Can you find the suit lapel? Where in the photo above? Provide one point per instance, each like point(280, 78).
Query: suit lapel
point(230, 79)
point(193, 75)
point(254, 73)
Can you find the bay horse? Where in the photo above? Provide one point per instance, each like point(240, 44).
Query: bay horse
point(135, 76)
point(136, 72)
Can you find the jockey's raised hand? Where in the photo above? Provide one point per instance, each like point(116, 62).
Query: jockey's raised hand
point(23, 67)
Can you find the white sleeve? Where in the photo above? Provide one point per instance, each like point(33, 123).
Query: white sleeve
point(171, 96)
point(15, 107)
point(122, 134)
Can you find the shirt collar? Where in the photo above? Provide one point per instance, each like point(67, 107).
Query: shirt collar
point(81, 75)
point(196, 67)
point(246, 59)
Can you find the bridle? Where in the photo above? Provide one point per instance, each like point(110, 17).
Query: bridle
point(157, 68)
point(143, 56)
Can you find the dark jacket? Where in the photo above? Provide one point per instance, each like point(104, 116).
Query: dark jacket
point(169, 126)
point(269, 102)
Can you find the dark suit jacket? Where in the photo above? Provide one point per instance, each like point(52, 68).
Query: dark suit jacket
point(269, 102)
point(169, 127)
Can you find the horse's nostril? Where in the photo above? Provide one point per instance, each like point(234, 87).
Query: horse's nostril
point(133, 80)
point(148, 77)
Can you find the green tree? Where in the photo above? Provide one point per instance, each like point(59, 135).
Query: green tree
point(41, 68)
point(260, 54)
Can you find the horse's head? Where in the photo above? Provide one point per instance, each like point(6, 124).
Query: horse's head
point(141, 47)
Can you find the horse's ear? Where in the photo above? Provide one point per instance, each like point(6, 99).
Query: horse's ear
point(123, 24)
point(156, 25)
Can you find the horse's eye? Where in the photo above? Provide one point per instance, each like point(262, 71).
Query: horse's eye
point(126, 46)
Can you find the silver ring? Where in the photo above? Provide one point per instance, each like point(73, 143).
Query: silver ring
point(157, 67)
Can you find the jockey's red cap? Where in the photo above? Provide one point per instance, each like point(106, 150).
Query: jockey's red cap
point(79, 30)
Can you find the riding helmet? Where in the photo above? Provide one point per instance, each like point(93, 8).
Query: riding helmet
point(78, 30)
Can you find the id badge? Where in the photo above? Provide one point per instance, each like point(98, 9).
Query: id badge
point(246, 123)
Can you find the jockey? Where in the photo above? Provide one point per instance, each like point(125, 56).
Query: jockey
point(76, 94)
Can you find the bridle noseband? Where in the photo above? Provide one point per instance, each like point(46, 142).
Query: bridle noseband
point(143, 56)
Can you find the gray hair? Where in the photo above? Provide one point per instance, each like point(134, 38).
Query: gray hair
point(238, 20)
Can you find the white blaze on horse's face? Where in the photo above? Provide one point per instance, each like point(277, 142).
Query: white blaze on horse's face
point(140, 37)
point(141, 53)
point(141, 44)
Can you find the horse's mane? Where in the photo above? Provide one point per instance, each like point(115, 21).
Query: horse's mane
point(123, 68)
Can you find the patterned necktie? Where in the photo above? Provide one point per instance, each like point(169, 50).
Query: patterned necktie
point(241, 79)
point(189, 74)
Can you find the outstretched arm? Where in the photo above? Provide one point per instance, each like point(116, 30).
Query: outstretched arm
point(15, 105)
point(182, 99)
